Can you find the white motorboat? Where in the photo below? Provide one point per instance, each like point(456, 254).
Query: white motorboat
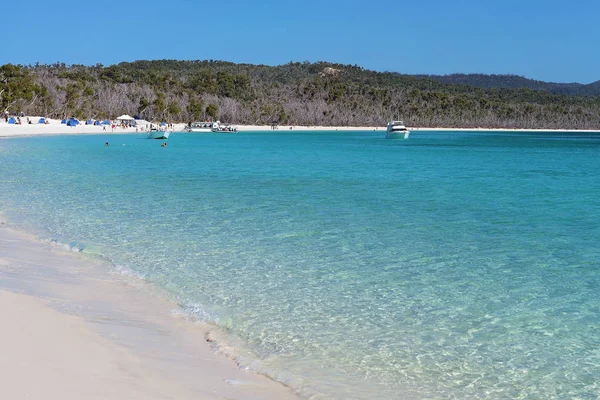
point(225, 129)
point(396, 130)
point(205, 126)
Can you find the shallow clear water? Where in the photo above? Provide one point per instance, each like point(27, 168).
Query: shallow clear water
point(449, 265)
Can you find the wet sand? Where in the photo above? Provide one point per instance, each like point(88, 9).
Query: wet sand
point(71, 329)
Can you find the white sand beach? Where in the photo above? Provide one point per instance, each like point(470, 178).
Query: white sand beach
point(71, 330)
point(54, 127)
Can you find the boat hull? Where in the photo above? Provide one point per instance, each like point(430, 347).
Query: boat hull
point(199, 130)
point(224, 131)
point(397, 135)
point(396, 130)
point(158, 135)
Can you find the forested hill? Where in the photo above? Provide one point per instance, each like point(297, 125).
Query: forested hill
point(295, 93)
point(518, 82)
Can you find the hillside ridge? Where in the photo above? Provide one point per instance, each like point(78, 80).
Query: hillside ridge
point(299, 93)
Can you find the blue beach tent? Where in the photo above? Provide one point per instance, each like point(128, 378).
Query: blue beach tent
point(106, 122)
point(12, 120)
point(72, 122)
point(64, 121)
point(96, 122)
point(89, 122)
point(163, 124)
point(42, 121)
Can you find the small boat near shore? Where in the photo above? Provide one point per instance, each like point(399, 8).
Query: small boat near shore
point(158, 134)
point(225, 129)
point(202, 127)
point(396, 130)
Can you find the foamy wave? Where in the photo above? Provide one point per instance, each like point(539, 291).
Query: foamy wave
point(126, 271)
point(234, 349)
point(95, 251)
point(75, 247)
point(195, 311)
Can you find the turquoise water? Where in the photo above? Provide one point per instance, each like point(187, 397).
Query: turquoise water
point(449, 265)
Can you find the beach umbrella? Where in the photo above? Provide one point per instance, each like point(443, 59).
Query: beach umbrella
point(64, 121)
point(42, 121)
point(124, 118)
point(12, 120)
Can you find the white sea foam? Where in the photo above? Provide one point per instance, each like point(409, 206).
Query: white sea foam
point(126, 271)
point(195, 311)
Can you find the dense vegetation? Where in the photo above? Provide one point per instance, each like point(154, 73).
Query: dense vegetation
point(295, 93)
point(518, 82)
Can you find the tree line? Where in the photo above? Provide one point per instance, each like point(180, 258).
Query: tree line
point(298, 93)
point(519, 82)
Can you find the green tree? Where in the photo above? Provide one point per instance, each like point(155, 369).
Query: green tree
point(225, 84)
point(195, 108)
point(72, 95)
point(212, 110)
point(144, 104)
point(243, 88)
point(282, 116)
point(159, 105)
point(203, 82)
point(17, 84)
point(173, 109)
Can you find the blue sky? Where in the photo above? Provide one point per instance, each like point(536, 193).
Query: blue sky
point(546, 40)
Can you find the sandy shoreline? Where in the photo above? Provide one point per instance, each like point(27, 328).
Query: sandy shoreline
point(56, 128)
point(71, 330)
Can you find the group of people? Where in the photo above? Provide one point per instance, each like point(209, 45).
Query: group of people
point(17, 119)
